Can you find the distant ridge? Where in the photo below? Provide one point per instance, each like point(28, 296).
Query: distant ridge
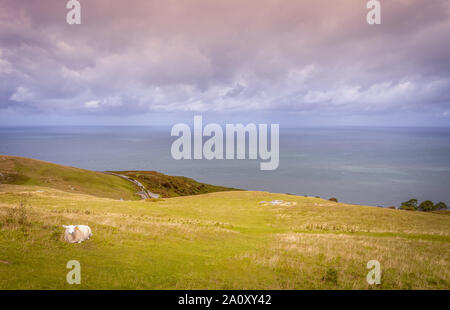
point(26, 171)
point(171, 186)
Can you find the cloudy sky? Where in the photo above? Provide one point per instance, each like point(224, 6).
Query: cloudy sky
point(299, 62)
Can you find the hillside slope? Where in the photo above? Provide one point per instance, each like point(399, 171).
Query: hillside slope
point(26, 171)
point(172, 186)
point(223, 240)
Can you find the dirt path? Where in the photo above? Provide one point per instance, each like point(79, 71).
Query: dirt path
point(144, 193)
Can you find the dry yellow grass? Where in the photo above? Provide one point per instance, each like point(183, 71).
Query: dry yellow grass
point(225, 240)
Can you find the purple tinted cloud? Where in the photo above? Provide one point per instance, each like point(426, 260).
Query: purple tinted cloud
point(170, 56)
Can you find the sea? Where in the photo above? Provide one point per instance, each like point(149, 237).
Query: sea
point(358, 165)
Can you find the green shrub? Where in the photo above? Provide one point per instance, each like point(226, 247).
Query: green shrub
point(440, 206)
point(17, 217)
point(333, 199)
point(410, 205)
point(426, 206)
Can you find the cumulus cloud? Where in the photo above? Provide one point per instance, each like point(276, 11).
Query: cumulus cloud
point(197, 55)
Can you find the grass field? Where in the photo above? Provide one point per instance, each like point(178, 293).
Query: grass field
point(222, 240)
point(25, 171)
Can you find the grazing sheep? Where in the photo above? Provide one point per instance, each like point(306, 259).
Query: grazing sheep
point(77, 233)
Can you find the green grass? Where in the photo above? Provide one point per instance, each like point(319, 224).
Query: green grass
point(25, 171)
point(172, 186)
point(224, 240)
point(221, 240)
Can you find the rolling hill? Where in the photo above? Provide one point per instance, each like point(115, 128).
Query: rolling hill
point(172, 186)
point(26, 171)
point(221, 240)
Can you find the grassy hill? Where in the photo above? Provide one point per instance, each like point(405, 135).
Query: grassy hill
point(26, 171)
point(222, 240)
point(171, 186)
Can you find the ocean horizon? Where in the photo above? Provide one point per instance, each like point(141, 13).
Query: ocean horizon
point(360, 165)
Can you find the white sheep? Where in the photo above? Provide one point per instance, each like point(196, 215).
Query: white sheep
point(77, 233)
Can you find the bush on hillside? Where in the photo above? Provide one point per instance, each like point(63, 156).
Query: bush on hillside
point(410, 205)
point(440, 206)
point(333, 199)
point(426, 206)
point(17, 217)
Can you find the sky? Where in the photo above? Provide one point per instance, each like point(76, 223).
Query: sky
point(159, 62)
